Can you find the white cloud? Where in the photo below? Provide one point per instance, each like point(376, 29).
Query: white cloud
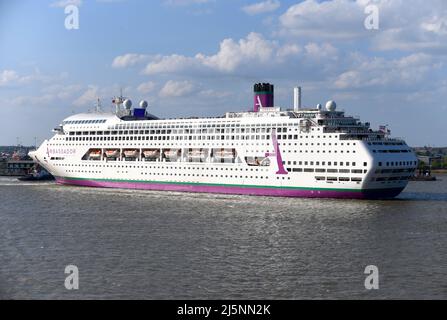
point(328, 19)
point(64, 3)
point(177, 89)
point(390, 74)
point(146, 87)
point(88, 97)
point(8, 77)
point(410, 25)
point(261, 7)
point(170, 64)
point(436, 25)
point(128, 60)
point(32, 100)
point(13, 78)
point(253, 56)
point(186, 2)
point(254, 51)
point(62, 92)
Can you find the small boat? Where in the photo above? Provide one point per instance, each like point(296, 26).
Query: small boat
point(37, 174)
point(112, 153)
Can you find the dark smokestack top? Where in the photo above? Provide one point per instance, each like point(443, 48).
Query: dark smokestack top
point(263, 87)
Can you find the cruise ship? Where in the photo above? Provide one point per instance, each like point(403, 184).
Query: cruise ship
point(266, 151)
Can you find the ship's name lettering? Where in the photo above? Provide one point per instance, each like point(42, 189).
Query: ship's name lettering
point(62, 151)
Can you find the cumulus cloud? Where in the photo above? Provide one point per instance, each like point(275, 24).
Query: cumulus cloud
point(13, 78)
point(32, 100)
point(261, 7)
point(88, 97)
point(379, 72)
point(7, 77)
point(146, 87)
point(254, 57)
point(177, 89)
point(128, 60)
point(253, 54)
point(63, 92)
point(185, 2)
point(328, 19)
point(64, 3)
point(409, 25)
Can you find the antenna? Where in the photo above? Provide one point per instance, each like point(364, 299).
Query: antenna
point(98, 105)
point(118, 101)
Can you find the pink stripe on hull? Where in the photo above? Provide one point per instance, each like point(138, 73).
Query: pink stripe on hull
point(217, 189)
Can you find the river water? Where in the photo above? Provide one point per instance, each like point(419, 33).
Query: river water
point(166, 245)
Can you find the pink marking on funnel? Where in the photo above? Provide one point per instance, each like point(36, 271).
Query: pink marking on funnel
point(260, 101)
point(277, 153)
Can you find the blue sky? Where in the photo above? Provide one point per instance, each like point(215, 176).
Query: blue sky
point(201, 57)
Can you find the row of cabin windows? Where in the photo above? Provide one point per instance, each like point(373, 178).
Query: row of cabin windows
point(395, 170)
point(162, 167)
point(341, 179)
point(164, 138)
point(84, 122)
point(399, 163)
point(323, 163)
point(192, 131)
point(393, 151)
point(386, 143)
point(201, 175)
point(203, 126)
point(322, 170)
point(194, 137)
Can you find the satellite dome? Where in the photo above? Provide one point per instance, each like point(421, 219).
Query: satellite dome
point(127, 104)
point(143, 104)
point(331, 105)
point(319, 106)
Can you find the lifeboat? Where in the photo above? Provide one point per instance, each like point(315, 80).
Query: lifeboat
point(95, 154)
point(112, 153)
point(133, 153)
point(172, 153)
point(224, 154)
point(151, 154)
point(199, 154)
point(258, 161)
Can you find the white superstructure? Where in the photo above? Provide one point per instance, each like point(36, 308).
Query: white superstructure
point(305, 152)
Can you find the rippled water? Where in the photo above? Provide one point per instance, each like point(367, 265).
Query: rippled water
point(143, 244)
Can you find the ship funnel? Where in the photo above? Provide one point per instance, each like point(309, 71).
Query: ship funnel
point(263, 96)
point(296, 98)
